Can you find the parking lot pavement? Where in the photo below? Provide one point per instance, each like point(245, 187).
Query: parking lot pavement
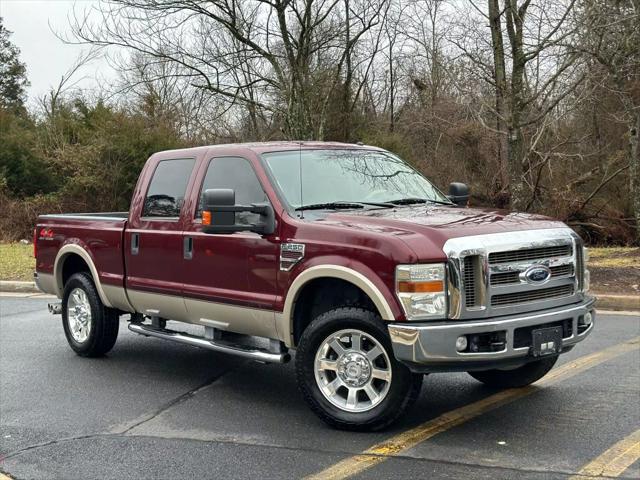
point(154, 409)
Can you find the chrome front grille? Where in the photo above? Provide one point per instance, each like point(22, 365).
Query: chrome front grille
point(469, 282)
point(495, 272)
point(531, 295)
point(530, 254)
point(580, 267)
point(512, 277)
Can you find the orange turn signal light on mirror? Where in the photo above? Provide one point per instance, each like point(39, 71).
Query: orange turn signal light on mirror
point(433, 286)
point(206, 218)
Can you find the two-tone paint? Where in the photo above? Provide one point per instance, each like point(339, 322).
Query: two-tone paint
point(233, 281)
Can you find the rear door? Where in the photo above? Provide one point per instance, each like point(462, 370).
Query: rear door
point(230, 280)
point(153, 242)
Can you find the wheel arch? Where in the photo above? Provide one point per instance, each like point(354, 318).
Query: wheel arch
point(317, 277)
point(75, 253)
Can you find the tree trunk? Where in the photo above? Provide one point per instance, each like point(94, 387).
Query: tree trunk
point(500, 80)
point(514, 22)
point(346, 99)
point(517, 187)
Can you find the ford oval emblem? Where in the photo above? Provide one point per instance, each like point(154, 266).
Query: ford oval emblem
point(537, 274)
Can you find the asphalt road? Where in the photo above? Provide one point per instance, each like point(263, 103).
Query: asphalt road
point(153, 409)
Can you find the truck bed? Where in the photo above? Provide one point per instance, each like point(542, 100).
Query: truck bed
point(100, 235)
point(106, 216)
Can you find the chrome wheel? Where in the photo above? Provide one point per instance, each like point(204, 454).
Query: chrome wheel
point(353, 370)
point(79, 315)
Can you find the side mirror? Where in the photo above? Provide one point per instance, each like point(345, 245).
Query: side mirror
point(219, 214)
point(459, 193)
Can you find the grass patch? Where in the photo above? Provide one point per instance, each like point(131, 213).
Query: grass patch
point(614, 257)
point(16, 262)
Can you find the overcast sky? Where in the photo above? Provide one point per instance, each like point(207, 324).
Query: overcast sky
point(48, 58)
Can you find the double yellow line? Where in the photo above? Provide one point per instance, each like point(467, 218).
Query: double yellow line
point(406, 440)
point(614, 461)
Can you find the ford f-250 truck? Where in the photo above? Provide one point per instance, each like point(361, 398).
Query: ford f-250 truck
point(342, 252)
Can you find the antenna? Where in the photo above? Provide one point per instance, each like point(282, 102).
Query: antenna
point(300, 173)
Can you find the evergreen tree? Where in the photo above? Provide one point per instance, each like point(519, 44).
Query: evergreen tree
point(13, 73)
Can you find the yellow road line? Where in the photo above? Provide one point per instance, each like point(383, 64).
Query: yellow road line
point(410, 438)
point(614, 461)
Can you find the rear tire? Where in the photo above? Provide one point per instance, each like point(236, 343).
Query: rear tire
point(518, 377)
point(90, 327)
point(348, 375)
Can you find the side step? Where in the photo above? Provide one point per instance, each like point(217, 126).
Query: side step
point(253, 353)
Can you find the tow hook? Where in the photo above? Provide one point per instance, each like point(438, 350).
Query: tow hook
point(55, 308)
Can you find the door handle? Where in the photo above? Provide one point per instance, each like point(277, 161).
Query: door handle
point(187, 248)
point(135, 243)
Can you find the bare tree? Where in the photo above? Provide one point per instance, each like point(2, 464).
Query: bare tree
point(610, 34)
point(531, 71)
point(284, 57)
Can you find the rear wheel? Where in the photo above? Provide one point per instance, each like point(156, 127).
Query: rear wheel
point(518, 377)
point(347, 373)
point(90, 327)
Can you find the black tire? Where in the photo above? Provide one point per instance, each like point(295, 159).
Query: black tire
point(403, 388)
point(518, 377)
point(104, 321)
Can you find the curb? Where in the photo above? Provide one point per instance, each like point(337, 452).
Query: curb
point(18, 287)
point(608, 302)
point(618, 302)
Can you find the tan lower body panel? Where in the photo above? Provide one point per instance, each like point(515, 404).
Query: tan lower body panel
point(250, 321)
point(118, 297)
point(46, 283)
point(158, 304)
point(227, 317)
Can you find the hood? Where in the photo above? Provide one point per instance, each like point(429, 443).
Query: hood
point(425, 227)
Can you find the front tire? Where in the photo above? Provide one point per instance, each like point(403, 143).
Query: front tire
point(348, 375)
point(518, 377)
point(90, 327)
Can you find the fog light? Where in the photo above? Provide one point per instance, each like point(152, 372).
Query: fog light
point(588, 318)
point(461, 343)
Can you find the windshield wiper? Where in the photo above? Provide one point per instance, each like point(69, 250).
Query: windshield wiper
point(330, 206)
point(412, 201)
point(379, 204)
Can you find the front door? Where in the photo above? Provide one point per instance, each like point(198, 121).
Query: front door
point(230, 279)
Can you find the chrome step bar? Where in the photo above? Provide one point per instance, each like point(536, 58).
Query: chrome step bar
point(250, 352)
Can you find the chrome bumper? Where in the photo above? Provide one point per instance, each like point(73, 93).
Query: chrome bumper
point(431, 347)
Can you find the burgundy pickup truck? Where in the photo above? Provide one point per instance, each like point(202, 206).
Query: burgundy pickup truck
point(341, 252)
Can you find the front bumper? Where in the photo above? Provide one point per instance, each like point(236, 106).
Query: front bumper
point(431, 346)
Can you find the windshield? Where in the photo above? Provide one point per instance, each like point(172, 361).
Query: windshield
point(330, 176)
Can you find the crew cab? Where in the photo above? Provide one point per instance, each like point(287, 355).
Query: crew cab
point(342, 253)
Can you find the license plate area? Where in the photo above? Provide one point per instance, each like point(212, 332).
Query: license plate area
point(546, 341)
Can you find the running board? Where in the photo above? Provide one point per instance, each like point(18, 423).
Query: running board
point(253, 353)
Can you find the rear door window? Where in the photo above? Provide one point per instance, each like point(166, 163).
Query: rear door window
point(167, 188)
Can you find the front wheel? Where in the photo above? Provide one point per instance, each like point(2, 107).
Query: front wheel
point(90, 327)
point(518, 377)
point(347, 373)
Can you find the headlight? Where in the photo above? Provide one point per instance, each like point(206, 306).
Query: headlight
point(421, 290)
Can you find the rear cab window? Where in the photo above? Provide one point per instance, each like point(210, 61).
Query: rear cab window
point(167, 189)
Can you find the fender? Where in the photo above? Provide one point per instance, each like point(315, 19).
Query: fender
point(284, 321)
point(73, 248)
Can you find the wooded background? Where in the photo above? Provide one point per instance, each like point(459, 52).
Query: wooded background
point(534, 103)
